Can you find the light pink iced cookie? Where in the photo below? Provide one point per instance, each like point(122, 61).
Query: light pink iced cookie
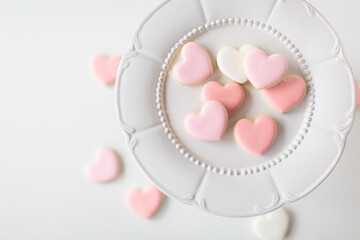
point(106, 68)
point(258, 136)
point(196, 65)
point(287, 94)
point(106, 168)
point(145, 203)
point(231, 95)
point(210, 124)
point(264, 71)
point(357, 95)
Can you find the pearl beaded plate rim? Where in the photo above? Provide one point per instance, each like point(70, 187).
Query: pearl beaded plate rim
point(247, 193)
point(160, 99)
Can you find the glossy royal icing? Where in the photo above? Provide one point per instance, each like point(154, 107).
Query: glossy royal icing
point(264, 71)
point(287, 94)
point(196, 65)
point(231, 62)
point(231, 95)
point(210, 124)
point(258, 136)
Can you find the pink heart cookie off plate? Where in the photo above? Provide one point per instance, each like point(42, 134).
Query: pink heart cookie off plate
point(196, 65)
point(287, 94)
point(264, 71)
point(258, 136)
point(210, 124)
point(358, 95)
point(106, 168)
point(106, 68)
point(145, 203)
point(231, 95)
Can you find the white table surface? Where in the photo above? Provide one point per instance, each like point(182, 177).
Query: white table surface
point(54, 115)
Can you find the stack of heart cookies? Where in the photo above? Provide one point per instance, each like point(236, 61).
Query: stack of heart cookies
point(265, 73)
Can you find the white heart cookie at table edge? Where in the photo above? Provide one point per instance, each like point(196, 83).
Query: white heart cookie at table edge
point(230, 61)
point(272, 226)
point(278, 177)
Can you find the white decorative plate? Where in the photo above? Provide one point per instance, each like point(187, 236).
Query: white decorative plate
point(222, 178)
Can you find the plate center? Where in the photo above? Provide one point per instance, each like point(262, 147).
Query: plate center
point(181, 101)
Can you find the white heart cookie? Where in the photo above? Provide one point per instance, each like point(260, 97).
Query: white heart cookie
point(272, 226)
point(231, 62)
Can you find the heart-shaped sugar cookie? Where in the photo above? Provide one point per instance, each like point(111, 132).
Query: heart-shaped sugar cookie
point(231, 62)
point(258, 136)
point(272, 226)
point(145, 203)
point(210, 124)
point(196, 65)
point(106, 168)
point(287, 94)
point(264, 71)
point(231, 95)
point(106, 68)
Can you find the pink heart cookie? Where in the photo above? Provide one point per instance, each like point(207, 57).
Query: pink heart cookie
point(231, 95)
point(210, 124)
point(287, 94)
point(263, 71)
point(106, 168)
point(145, 203)
point(258, 136)
point(357, 95)
point(196, 66)
point(106, 68)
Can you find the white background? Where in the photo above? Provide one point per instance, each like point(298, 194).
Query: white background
point(54, 115)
